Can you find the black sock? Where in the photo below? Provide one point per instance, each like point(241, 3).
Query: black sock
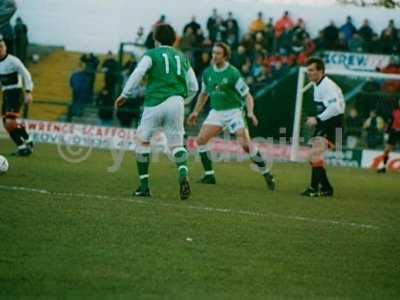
point(324, 180)
point(22, 132)
point(16, 137)
point(385, 159)
point(315, 178)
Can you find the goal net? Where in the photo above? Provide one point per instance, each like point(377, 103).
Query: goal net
point(370, 99)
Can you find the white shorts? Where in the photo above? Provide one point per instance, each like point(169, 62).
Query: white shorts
point(168, 117)
point(231, 119)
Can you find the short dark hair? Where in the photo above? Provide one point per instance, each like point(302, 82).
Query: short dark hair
point(319, 63)
point(164, 34)
point(226, 48)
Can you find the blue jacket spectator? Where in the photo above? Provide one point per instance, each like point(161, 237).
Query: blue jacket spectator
point(348, 29)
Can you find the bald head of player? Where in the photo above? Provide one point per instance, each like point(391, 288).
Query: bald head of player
point(315, 69)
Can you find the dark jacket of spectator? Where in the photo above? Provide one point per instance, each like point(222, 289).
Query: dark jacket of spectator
point(111, 74)
point(331, 36)
point(366, 31)
point(21, 40)
point(193, 25)
point(348, 29)
point(80, 87)
point(234, 27)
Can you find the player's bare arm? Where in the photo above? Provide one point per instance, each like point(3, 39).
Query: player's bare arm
point(250, 109)
point(120, 101)
point(201, 101)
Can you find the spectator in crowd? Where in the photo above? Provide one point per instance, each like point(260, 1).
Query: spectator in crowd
point(188, 41)
point(341, 44)
point(355, 43)
point(91, 63)
point(297, 45)
point(373, 46)
point(256, 68)
point(269, 36)
point(280, 67)
point(263, 78)
point(239, 57)
point(390, 30)
point(374, 127)
point(218, 34)
point(232, 34)
point(366, 31)
point(354, 125)
point(111, 71)
point(319, 41)
point(80, 87)
point(284, 42)
point(247, 42)
point(105, 103)
point(204, 62)
point(259, 39)
point(140, 38)
point(21, 40)
point(233, 27)
point(331, 36)
point(128, 68)
point(193, 25)
point(348, 29)
point(211, 23)
point(299, 29)
point(246, 73)
point(285, 23)
point(387, 42)
point(391, 86)
point(257, 24)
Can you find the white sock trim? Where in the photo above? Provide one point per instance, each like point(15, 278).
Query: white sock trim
point(140, 149)
point(183, 167)
point(144, 176)
point(265, 172)
point(178, 149)
point(253, 151)
point(202, 148)
point(209, 172)
point(143, 151)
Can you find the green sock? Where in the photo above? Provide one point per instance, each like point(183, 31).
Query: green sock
point(205, 160)
point(143, 162)
point(180, 155)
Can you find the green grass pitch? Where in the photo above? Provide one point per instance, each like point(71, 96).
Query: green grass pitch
point(72, 231)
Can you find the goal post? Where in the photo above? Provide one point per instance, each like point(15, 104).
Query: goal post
point(303, 85)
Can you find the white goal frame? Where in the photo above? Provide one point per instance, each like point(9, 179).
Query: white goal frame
point(300, 92)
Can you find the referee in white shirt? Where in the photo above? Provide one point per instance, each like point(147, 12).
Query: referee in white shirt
point(14, 77)
point(328, 123)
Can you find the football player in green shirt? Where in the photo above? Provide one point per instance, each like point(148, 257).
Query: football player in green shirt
point(223, 84)
point(170, 79)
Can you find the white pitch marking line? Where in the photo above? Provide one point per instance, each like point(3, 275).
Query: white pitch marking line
point(203, 208)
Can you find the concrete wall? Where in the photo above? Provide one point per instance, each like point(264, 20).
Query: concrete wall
point(99, 25)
